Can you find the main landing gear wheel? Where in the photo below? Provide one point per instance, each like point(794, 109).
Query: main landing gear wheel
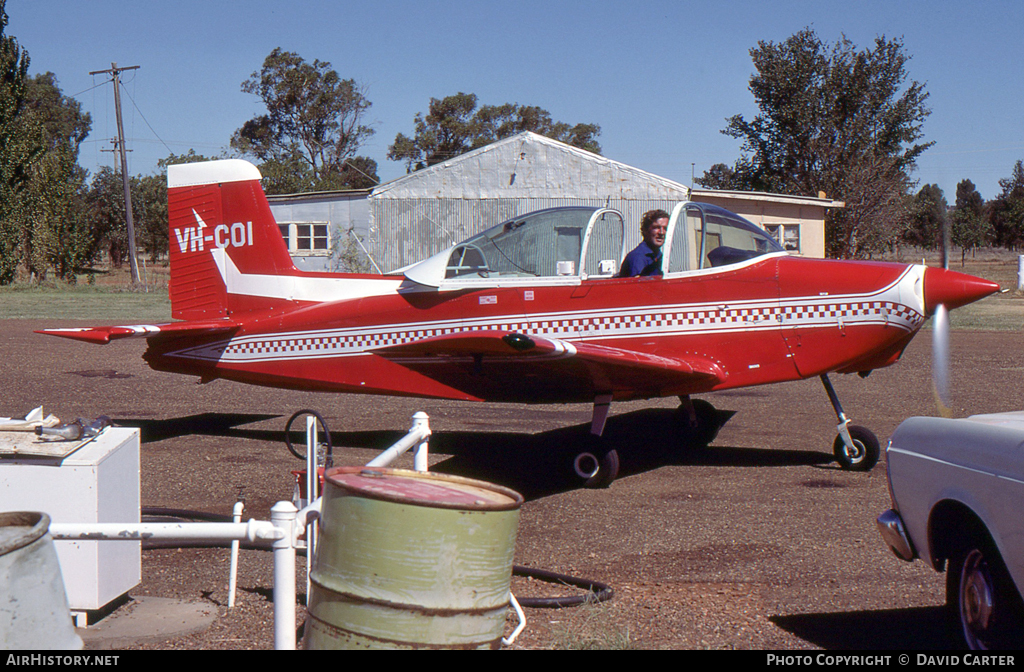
point(700, 428)
point(865, 451)
point(597, 468)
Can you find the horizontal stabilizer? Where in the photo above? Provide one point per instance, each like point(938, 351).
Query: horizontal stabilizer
point(104, 335)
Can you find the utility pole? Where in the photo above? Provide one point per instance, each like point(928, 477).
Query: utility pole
point(114, 71)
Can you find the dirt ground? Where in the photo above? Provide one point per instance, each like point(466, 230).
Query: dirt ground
point(757, 542)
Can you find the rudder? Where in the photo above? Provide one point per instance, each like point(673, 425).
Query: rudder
point(219, 222)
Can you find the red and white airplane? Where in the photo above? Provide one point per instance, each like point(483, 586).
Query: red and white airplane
point(530, 311)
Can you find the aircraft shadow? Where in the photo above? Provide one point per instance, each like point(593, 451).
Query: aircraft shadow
point(538, 465)
point(921, 628)
point(535, 465)
point(209, 424)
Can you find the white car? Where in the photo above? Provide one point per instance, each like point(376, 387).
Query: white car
point(957, 489)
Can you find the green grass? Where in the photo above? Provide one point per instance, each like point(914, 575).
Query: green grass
point(84, 302)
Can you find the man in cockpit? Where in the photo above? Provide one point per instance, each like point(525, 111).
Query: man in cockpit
point(645, 259)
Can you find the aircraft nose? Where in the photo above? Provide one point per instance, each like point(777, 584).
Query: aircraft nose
point(952, 289)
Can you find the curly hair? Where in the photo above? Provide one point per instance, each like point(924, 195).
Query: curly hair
point(650, 217)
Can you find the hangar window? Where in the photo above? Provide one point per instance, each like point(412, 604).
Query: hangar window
point(306, 238)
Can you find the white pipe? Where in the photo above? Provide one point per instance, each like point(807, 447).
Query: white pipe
point(312, 493)
point(508, 641)
point(417, 436)
point(251, 531)
point(307, 515)
point(282, 515)
point(233, 575)
point(282, 530)
point(419, 422)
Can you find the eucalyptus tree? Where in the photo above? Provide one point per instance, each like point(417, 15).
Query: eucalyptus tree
point(314, 126)
point(968, 228)
point(836, 120)
point(1006, 211)
point(456, 124)
point(928, 215)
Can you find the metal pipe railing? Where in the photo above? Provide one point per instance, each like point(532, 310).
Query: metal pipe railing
point(286, 522)
point(418, 436)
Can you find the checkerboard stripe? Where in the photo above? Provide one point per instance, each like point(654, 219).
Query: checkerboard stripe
point(656, 320)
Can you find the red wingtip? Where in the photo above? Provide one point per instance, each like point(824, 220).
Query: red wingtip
point(952, 289)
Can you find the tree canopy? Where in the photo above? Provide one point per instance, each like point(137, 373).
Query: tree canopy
point(1006, 211)
point(927, 216)
point(55, 231)
point(968, 227)
point(455, 125)
point(20, 145)
point(838, 120)
point(314, 126)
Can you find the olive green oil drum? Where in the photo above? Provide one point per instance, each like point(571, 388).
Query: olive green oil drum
point(411, 560)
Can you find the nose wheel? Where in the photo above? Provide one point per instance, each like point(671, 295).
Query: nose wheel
point(856, 448)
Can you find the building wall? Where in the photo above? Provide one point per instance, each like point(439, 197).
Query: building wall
point(768, 213)
point(408, 230)
point(414, 217)
point(419, 215)
point(342, 211)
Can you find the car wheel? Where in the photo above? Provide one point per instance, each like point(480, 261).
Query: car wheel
point(865, 453)
point(985, 609)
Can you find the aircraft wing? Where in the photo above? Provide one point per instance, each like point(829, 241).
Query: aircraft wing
point(104, 335)
point(557, 361)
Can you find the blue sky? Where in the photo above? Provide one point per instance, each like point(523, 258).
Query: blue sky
point(660, 78)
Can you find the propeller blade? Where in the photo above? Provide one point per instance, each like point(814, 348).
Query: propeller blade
point(940, 359)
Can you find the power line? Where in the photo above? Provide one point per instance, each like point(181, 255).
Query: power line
point(147, 121)
point(115, 72)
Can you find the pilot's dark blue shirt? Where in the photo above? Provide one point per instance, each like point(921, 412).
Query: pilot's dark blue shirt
point(641, 261)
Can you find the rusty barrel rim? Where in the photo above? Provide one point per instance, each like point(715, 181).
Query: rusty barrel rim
point(429, 489)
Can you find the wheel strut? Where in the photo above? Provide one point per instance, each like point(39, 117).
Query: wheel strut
point(602, 405)
point(844, 423)
point(598, 466)
point(856, 448)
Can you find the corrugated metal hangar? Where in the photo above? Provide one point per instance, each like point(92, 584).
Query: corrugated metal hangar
point(418, 215)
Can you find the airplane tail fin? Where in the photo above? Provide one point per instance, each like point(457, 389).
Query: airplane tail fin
point(221, 227)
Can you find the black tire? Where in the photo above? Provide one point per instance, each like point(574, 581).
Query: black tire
point(705, 426)
point(867, 450)
point(597, 468)
point(985, 610)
